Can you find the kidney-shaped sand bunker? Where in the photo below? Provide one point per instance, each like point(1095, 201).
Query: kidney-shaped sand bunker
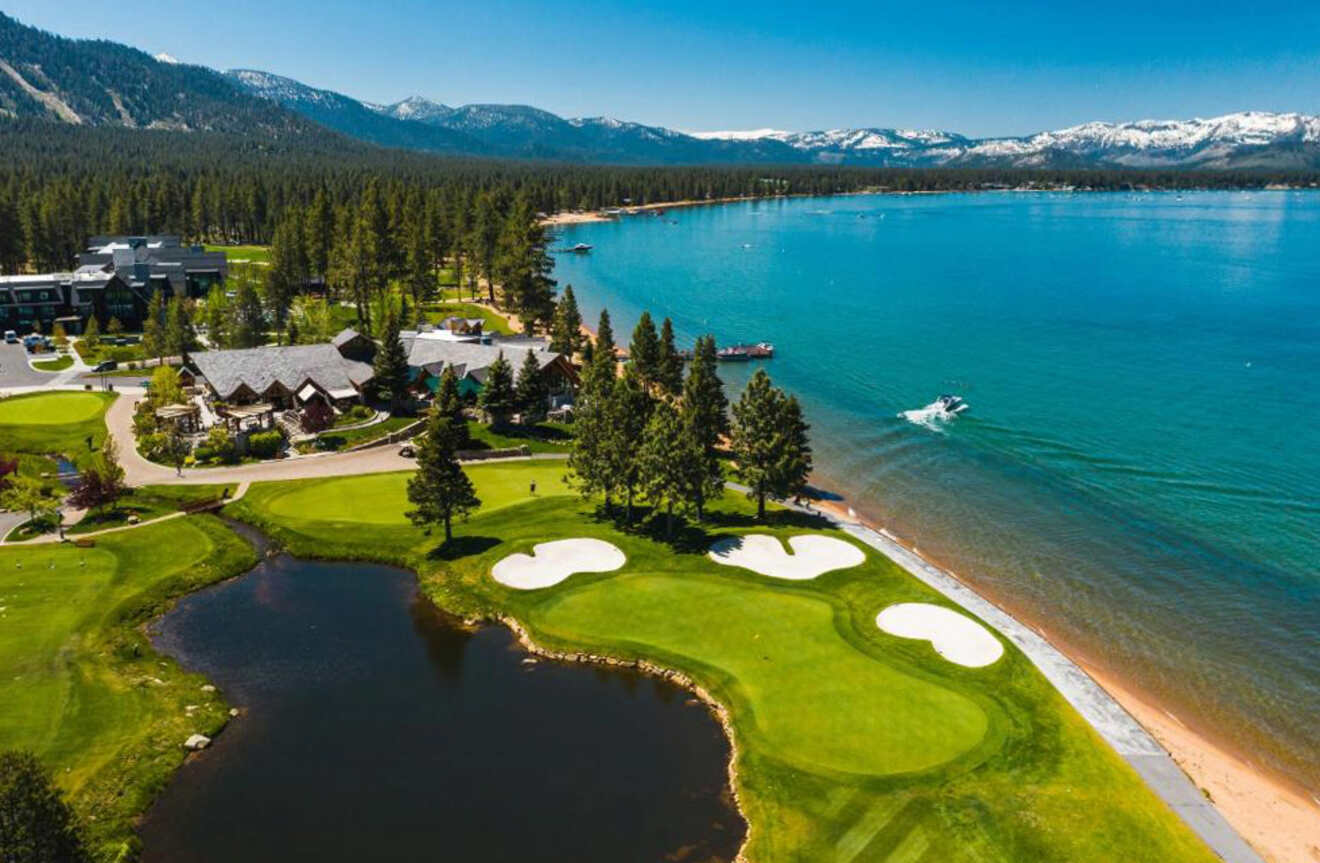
point(954, 636)
point(552, 562)
point(812, 555)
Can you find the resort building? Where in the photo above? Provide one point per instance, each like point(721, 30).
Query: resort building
point(156, 263)
point(117, 277)
point(289, 376)
point(430, 352)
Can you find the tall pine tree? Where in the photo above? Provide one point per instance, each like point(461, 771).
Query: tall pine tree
point(390, 368)
point(669, 365)
point(440, 491)
point(644, 351)
point(497, 398)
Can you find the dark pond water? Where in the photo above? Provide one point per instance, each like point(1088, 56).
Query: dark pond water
point(375, 730)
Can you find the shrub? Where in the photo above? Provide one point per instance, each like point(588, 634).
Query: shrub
point(265, 444)
point(218, 448)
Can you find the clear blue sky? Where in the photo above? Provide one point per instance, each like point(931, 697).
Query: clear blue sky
point(981, 68)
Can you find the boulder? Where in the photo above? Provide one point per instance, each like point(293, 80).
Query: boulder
point(196, 742)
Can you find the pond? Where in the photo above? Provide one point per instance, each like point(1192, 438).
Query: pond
point(374, 728)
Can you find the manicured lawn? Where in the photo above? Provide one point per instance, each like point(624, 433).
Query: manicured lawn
point(147, 503)
point(252, 254)
point(58, 364)
point(853, 745)
point(55, 422)
point(337, 440)
point(382, 498)
point(542, 437)
point(494, 323)
point(79, 681)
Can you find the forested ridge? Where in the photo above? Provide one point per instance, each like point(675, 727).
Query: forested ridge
point(61, 183)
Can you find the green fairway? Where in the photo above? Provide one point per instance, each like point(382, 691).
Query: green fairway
point(383, 498)
point(852, 745)
point(53, 422)
point(57, 408)
point(79, 682)
point(776, 645)
point(238, 254)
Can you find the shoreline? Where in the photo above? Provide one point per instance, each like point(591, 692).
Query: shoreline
point(583, 217)
point(1280, 821)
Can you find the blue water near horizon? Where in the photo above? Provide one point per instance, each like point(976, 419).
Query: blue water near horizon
point(1139, 469)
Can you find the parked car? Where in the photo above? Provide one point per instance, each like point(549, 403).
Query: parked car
point(105, 366)
point(11, 337)
point(407, 451)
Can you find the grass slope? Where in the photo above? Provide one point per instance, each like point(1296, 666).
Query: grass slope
point(853, 745)
point(54, 422)
point(79, 681)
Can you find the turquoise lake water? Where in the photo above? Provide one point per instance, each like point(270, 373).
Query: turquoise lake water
point(1139, 472)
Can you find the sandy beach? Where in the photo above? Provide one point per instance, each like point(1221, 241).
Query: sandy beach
point(579, 217)
point(1280, 821)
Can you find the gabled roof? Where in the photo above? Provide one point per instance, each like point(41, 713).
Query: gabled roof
point(471, 358)
point(344, 336)
point(293, 366)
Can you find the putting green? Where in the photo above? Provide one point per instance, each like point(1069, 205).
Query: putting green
point(383, 498)
point(792, 668)
point(57, 408)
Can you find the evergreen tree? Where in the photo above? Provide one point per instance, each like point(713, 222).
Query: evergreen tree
point(670, 463)
point(179, 336)
point(448, 402)
point(288, 268)
point(153, 337)
point(317, 230)
point(605, 337)
point(439, 490)
point(92, 335)
point(60, 337)
point(629, 411)
point(769, 442)
point(705, 416)
point(115, 327)
point(497, 397)
point(644, 351)
point(566, 331)
point(390, 369)
point(669, 365)
point(215, 314)
point(245, 326)
point(36, 824)
point(532, 392)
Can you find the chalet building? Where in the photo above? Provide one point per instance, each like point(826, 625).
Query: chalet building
point(117, 277)
point(286, 377)
point(156, 263)
point(431, 352)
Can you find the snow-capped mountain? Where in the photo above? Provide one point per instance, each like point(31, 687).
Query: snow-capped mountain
point(1249, 138)
point(417, 108)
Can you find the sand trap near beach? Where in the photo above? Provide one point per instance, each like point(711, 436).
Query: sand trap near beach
point(552, 562)
point(954, 636)
point(812, 555)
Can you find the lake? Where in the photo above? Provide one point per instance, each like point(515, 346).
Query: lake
point(1139, 467)
point(374, 729)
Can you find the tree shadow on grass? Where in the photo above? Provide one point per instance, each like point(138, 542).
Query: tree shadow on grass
point(462, 546)
point(689, 536)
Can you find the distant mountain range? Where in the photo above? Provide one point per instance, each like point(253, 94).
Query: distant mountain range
point(103, 83)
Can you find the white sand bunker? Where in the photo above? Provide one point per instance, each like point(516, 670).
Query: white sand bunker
point(812, 555)
point(954, 636)
point(552, 562)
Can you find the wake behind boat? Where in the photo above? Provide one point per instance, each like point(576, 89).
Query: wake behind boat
point(945, 408)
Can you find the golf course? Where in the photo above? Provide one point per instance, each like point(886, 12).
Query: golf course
point(851, 744)
point(57, 422)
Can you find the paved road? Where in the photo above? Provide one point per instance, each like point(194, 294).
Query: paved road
point(139, 471)
point(15, 371)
